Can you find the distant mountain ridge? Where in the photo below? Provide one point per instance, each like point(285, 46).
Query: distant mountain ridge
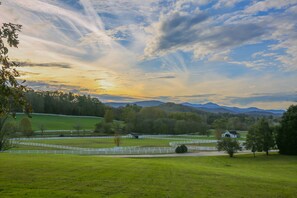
point(149, 103)
point(215, 108)
point(207, 107)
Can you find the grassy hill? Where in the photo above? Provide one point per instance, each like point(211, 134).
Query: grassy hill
point(89, 176)
point(60, 122)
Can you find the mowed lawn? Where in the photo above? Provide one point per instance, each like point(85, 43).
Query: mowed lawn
point(94, 176)
point(104, 142)
point(60, 122)
point(109, 142)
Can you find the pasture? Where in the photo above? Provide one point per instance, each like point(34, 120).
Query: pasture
point(60, 122)
point(89, 142)
point(24, 175)
point(104, 142)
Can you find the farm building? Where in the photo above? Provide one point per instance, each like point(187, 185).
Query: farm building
point(231, 134)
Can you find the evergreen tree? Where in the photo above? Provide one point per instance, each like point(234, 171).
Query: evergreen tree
point(287, 133)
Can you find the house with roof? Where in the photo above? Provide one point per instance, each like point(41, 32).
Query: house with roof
point(230, 134)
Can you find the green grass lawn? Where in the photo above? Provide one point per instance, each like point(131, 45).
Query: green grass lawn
point(25, 147)
point(108, 143)
point(23, 175)
point(56, 122)
point(105, 143)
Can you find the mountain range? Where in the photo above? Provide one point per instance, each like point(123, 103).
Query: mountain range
point(207, 107)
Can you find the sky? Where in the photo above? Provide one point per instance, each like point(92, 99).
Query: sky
point(232, 52)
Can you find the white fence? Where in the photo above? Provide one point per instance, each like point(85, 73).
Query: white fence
point(126, 151)
point(169, 137)
point(132, 150)
point(193, 141)
point(138, 151)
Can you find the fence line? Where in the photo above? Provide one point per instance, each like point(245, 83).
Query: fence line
point(123, 136)
point(115, 150)
point(131, 151)
point(152, 150)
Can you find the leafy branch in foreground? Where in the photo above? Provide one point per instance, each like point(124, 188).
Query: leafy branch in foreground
point(11, 90)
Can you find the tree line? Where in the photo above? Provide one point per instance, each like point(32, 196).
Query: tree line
point(155, 120)
point(146, 120)
point(56, 102)
point(264, 137)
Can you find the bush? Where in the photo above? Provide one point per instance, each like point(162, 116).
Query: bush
point(181, 149)
point(26, 127)
point(10, 128)
point(103, 127)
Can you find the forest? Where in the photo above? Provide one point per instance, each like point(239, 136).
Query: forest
point(169, 118)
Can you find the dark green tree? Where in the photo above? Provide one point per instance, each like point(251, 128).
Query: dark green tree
point(267, 136)
point(253, 140)
point(219, 125)
point(229, 145)
point(260, 137)
point(286, 138)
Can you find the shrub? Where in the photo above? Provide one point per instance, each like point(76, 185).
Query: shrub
point(103, 127)
point(26, 127)
point(181, 149)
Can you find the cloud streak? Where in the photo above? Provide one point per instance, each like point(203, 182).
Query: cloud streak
point(59, 65)
point(275, 97)
point(163, 49)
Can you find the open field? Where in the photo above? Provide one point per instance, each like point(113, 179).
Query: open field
point(89, 176)
point(60, 122)
point(109, 142)
point(103, 143)
point(27, 147)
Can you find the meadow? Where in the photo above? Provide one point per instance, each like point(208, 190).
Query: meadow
point(104, 142)
point(29, 175)
point(60, 122)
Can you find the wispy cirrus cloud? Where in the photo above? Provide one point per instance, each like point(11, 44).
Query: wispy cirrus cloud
point(163, 49)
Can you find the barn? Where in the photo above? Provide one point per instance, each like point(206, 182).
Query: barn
point(230, 134)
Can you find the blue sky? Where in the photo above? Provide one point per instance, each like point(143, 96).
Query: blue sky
point(232, 52)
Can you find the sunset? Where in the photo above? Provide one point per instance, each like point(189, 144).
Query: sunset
point(148, 98)
point(240, 53)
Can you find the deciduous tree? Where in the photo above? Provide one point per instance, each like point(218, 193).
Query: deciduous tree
point(229, 145)
point(260, 137)
point(11, 90)
point(286, 138)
